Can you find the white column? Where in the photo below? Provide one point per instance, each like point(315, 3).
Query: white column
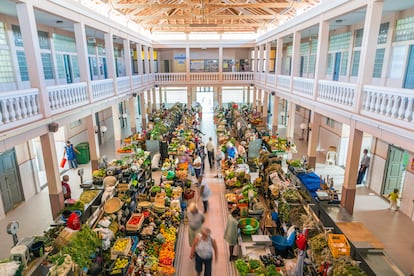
point(369, 44)
point(117, 126)
point(139, 59)
point(295, 58)
point(92, 140)
point(321, 56)
point(143, 110)
point(291, 121)
point(110, 59)
point(259, 101)
point(275, 118)
point(265, 105)
point(149, 102)
point(27, 22)
point(154, 99)
point(82, 50)
point(248, 94)
point(127, 57)
point(279, 57)
point(221, 63)
point(189, 96)
point(152, 69)
point(255, 97)
point(187, 62)
point(132, 114)
point(261, 58)
point(255, 64)
point(52, 172)
point(314, 129)
point(146, 61)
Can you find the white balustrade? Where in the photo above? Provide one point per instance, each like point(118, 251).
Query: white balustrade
point(102, 89)
point(18, 105)
point(303, 87)
point(337, 93)
point(170, 77)
point(271, 79)
point(238, 76)
point(204, 76)
point(146, 78)
point(123, 84)
point(391, 103)
point(68, 96)
point(136, 81)
point(283, 82)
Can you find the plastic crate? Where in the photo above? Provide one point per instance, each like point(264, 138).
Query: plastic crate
point(339, 245)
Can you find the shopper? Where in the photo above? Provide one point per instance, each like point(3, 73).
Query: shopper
point(202, 249)
point(231, 233)
point(70, 152)
point(205, 192)
point(197, 165)
point(219, 155)
point(195, 221)
point(210, 152)
point(67, 193)
point(242, 151)
point(393, 197)
point(364, 166)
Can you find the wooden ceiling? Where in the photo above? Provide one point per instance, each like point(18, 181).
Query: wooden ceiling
point(209, 15)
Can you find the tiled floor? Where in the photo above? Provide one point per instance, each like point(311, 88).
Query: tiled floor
point(393, 229)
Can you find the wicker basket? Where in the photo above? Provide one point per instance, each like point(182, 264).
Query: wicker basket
point(188, 193)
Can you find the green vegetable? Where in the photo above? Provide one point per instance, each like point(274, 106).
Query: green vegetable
point(242, 267)
point(254, 263)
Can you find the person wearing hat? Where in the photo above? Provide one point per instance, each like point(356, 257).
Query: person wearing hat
point(242, 151)
point(70, 152)
point(195, 222)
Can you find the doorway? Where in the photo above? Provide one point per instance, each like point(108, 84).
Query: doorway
point(337, 66)
point(10, 183)
point(409, 72)
point(205, 97)
point(396, 165)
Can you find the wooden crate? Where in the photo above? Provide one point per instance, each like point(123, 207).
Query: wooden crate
point(127, 248)
point(122, 187)
point(339, 245)
point(135, 227)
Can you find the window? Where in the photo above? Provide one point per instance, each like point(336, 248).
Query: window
point(339, 42)
point(405, 29)
point(3, 39)
point(383, 33)
point(344, 63)
point(43, 40)
point(64, 43)
point(60, 66)
point(330, 122)
point(358, 37)
point(47, 66)
point(329, 68)
point(355, 63)
point(379, 60)
point(21, 60)
point(18, 39)
point(75, 66)
point(6, 68)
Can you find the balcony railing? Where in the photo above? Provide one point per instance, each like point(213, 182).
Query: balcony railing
point(19, 105)
point(303, 87)
point(161, 78)
point(389, 104)
point(136, 81)
point(102, 89)
point(283, 82)
point(124, 84)
point(68, 96)
point(207, 77)
point(335, 93)
point(238, 76)
point(271, 79)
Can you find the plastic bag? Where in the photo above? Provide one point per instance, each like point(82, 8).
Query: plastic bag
point(62, 163)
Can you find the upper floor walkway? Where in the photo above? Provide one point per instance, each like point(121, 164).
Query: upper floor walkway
point(382, 110)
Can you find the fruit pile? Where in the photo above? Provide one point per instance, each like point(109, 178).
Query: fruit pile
point(167, 254)
point(121, 245)
point(119, 266)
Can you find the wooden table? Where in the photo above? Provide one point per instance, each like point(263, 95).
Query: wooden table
point(359, 235)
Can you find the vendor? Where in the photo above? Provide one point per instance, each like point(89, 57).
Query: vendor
point(231, 151)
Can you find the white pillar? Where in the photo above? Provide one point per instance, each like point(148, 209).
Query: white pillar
point(146, 61)
point(295, 58)
point(110, 59)
point(321, 55)
point(117, 126)
point(275, 118)
point(152, 65)
point(27, 22)
point(221, 63)
point(92, 140)
point(139, 59)
point(187, 63)
point(127, 58)
point(82, 50)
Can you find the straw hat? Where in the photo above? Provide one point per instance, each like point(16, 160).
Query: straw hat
point(109, 181)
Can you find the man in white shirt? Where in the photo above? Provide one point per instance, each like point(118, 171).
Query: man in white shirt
point(210, 152)
point(364, 166)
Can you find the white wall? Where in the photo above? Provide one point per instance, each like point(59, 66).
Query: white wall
point(407, 200)
point(376, 173)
